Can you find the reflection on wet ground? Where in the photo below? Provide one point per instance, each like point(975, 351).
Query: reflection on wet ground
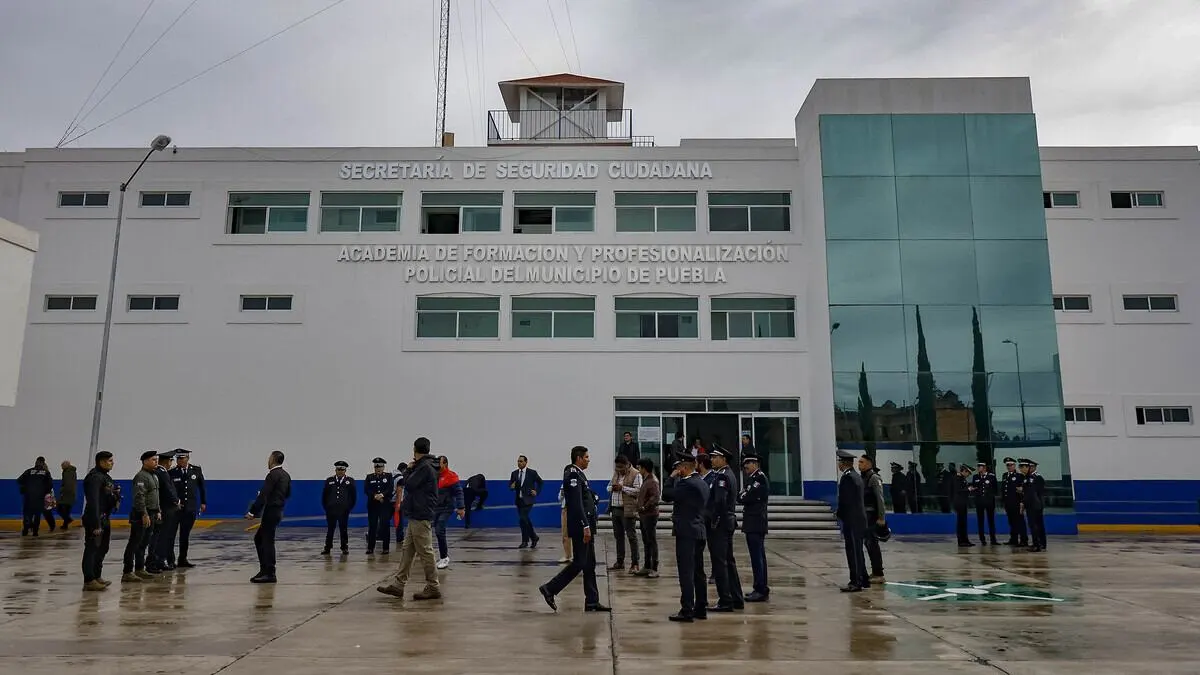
point(1127, 606)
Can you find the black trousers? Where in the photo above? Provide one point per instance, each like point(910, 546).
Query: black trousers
point(95, 547)
point(899, 502)
point(135, 548)
point(625, 531)
point(527, 533)
point(650, 541)
point(379, 524)
point(64, 510)
point(31, 516)
point(756, 544)
point(960, 525)
point(944, 503)
point(187, 520)
point(871, 542)
point(1017, 533)
point(154, 533)
point(1037, 527)
point(855, 561)
point(914, 502)
point(165, 545)
point(264, 539)
point(583, 560)
point(990, 511)
point(693, 582)
point(339, 521)
point(469, 498)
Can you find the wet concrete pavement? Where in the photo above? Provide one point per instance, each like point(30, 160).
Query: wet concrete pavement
point(1095, 606)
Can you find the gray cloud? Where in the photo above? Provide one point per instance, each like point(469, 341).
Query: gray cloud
point(1104, 72)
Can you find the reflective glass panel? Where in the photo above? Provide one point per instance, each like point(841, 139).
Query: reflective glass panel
point(934, 208)
point(929, 145)
point(939, 272)
point(1032, 328)
point(873, 335)
point(1014, 272)
point(1002, 145)
point(1008, 207)
point(948, 341)
point(860, 207)
point(863, 272)
point(856, 145)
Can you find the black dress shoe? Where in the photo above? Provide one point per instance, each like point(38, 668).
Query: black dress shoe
point(851, 588)
point(345, 551)
point(702, 615)
point(756, 597)
point(325, 551)
point(722, 609)
point(548, 597)
point(263, 579)
point(533, 544)
point(524, 544)
point(739, 606)
point(681, 617)
point(185, 564)
point(597, 608)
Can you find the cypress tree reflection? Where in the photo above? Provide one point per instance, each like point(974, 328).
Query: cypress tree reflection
point(984, 450)
point(927, 425)
point(866, 413)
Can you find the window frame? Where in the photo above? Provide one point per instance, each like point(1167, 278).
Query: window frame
point(1164, 411)
point(749, 209)
point(1060, 303)
point(1149, 298)
point(694, 207)
point(84, 203)
point(458, 316)
point(459, 211)
point(230, 207)
point(267, 298)
point(1135, 199)
point(656, 313)
point(155, 301)
point(554, 210)
point(1071, 414)
point(1048, 199)
point(166, 197)
point(754, 314)
point(554, 314)
point(399, 209)
point(72, 298)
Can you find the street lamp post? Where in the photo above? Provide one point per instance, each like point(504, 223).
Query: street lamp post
point(159, 144)
point(1020, 391)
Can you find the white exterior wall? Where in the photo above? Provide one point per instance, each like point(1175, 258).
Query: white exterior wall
point(1111, 357)
point(17, 249)
point(345, 376)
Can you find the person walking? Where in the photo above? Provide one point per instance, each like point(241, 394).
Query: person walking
point(689, 494)
point(852, 516)
point(276, 490)
point(566, 537)
point(526, 485)
point(874, 504)
point(67, 492)
point(756, 492)
point(142, 516)
point(449, 501)
point(648, 497)
point(338, 499)
point(35, 484)
point(420, 497)
point(100, 499)
point(581, 525)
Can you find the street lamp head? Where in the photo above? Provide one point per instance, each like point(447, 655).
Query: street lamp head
point(1008, 342)
point(160, 142)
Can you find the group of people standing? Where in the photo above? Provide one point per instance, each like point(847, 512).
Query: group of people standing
point(1022, 490)
point(39, 500)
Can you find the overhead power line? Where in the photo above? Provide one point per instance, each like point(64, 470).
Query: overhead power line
point(514, 37)
point(558, 34)
point(574, 42)
point(206, 71)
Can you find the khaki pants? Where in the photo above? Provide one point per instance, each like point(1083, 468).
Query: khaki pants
point(418, 542)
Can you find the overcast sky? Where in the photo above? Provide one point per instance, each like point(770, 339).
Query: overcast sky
point(1104, 72)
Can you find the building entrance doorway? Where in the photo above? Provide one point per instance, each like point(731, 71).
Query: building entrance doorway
point(714, 429)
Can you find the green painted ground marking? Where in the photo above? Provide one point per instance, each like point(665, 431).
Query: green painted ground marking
point(969, 591)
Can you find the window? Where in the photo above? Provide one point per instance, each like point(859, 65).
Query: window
point(549, 212)
point(1073, 303)
point(1150, 303)
point(656, 211)
point(263, 212)
point(78, 303)
point(153, 303)
point(749, 211)
point(360, 211)
point(553, 317)
point(753, 318)
point(460, 212)
point(172, 199)
point(475, 317)
point(1130, 200)
point(1059, 200)
point(1083, 414)
point(1163, 415)
point(266, 303)
point(657, 317)
point(83, 199)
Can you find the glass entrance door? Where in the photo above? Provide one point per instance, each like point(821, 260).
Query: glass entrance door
point(777, 441)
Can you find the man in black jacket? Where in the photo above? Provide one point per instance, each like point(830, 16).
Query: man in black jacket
point(35, 484)
point(1010, 494)
point(852, 515)
point(986, 488)
point(723, 492)
point(526, 485)
point(420, 497)
point(689, 495)
point(756, 491)
point(162, 538)
point(900, 485)
point(581, 527)
point(193, 499)
point(1033, 500)
point(960, 495)
point(338, 499)
point(276, 489)
point(629, 449)
point(100, 495)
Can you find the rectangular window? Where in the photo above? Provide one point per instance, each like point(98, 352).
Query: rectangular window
point(1073, 303)
point(1133, 200)
point(550, 212)
point(1080, 414)
point(166, 199)
point(153, 303)
point(657, 317)
point(460, 212)
point(553, 317)
point(263, 212)
point(753, 318)
point(360, 211)
point(472, 317)
point(656, 211)
point(66, 303)
point(1163, 415)
point(1059, 200)
point(1150, 303)
point(72, 199)
point(749, 211)
point(266, 303)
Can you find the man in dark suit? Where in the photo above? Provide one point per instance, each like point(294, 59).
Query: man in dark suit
point(189, 485)
point(526, 485)
point(689, 494)
point(960, 494)
point(1010, 494)
point(852, 516)
point(338, 498)
point(162, 539)
point(581, 527)
point(1033, 502)
point(276, 489)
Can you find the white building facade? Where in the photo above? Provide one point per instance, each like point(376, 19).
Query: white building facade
point(571, 282)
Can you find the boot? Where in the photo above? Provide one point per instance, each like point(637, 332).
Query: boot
point(94, 585)
point(428, 594)
point(393, 589)
point(131, 578)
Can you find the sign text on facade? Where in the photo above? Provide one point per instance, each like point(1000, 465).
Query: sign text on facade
point(521, 170)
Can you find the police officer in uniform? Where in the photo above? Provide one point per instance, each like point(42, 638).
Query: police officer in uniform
point(581, 527)
point(1010, 494)
point(756, 490)
point(162, 539)
point(852, 516)
point(338, 499)
point(380, 488)
point(1034, 503)
point(960, 495)
point(900, 485)
point(689, 494)
point(722, 525)
point(189, 485)
point(986, 488)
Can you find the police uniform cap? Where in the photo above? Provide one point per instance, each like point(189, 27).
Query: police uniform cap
point(1009, 459)
point(340, 464)
point(166, 454)
point(981, 464)
point(148, 454)
point(846, 456)
point(896, 465)
point(1023, 462)
point(718, 451)
point(379, 460)
point(182, 451)
point(684, 460)
point(746, 459)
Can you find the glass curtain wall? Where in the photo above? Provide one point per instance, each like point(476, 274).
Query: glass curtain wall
point(944, 343)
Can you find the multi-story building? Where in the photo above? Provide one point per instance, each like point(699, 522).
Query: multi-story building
point(881, 281)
